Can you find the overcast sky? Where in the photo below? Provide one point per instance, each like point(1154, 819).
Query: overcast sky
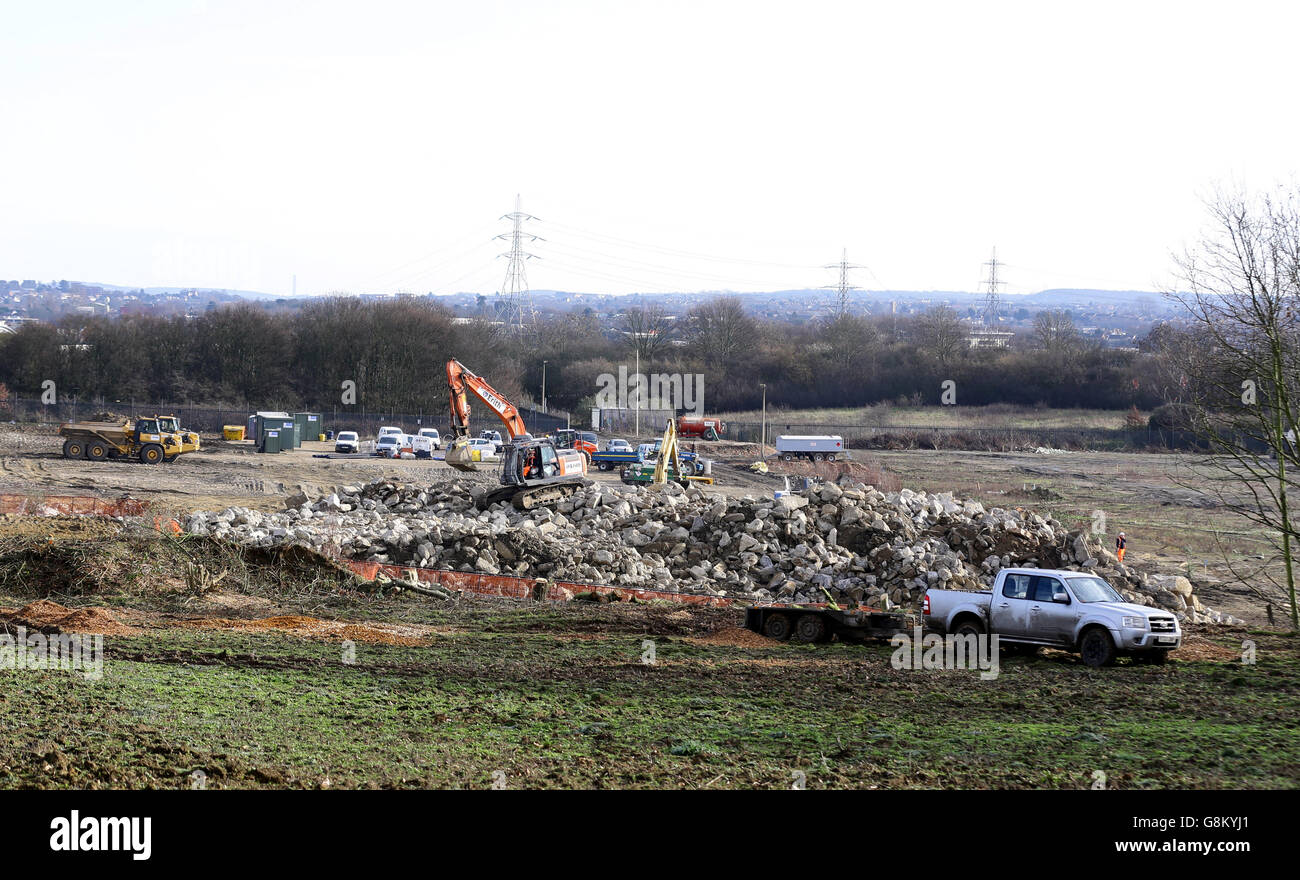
point(663, 146)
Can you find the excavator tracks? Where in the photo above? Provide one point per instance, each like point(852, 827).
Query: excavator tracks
point(531, 497)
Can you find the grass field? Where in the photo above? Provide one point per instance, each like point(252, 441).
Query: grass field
point(892, 415)
point(559, 697)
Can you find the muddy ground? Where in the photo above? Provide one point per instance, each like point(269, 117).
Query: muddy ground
point(286, 672)
point(247, 668)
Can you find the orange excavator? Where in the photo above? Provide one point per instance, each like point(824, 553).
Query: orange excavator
point(533, 471)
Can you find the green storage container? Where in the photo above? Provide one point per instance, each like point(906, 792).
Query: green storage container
point(270, 441)
point(300, 429)
point(313, 428)
point(288, 434)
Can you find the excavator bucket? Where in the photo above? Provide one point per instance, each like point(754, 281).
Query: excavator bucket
point(458, 455)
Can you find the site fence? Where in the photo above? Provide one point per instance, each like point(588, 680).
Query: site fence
point(210, 419)
point(975, 437)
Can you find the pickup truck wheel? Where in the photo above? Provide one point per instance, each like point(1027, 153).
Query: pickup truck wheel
point(968, 628)
point(1097, 648)
point(151, 454)
point(777, 626)
point(73, 449)
point(810, 628)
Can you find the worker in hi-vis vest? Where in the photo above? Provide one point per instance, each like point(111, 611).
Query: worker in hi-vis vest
point(1120, 544)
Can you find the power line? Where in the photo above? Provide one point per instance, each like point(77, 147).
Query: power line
point(991, 290)
point(519, 305)
point(842, 289)
point(610, 239)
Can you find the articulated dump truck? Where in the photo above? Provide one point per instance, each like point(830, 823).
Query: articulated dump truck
point(147, 440)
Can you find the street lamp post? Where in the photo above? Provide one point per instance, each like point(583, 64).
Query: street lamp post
point(762, 441)
point(544, 407)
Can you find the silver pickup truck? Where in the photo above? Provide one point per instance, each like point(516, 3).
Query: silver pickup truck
point(1032, 607)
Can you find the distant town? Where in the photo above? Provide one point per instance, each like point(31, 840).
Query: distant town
point(1117, 319)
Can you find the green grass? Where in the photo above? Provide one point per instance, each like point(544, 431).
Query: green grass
point(513, 695)
point(892, 415)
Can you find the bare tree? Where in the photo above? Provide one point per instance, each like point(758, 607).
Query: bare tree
point(1243, 371)
point(1054, 328)
point(940, 333)
point(722, 331)
point(649, 331)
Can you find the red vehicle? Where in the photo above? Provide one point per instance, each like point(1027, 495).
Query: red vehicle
point(583, 441)
point(700, 427)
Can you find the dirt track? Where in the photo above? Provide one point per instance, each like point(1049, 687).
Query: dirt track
point(224, 474)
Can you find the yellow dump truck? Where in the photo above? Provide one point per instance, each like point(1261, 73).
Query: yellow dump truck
point(147, 440)
point(172, 425)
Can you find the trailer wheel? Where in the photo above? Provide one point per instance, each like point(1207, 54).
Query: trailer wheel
point(151, 454)
point(818, 456)
point(830, 456)
point(603, 465)
point(73, 449)
point(788, 456)
point(96, 451)
point(777, 626)
point(810, 628)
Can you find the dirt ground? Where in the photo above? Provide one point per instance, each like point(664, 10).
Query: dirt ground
point(1153, 497)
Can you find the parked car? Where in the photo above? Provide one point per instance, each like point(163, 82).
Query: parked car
point(347, 441)
point(618, 446)
point(433, 435)
point(392, 445)
point(390, 429)
point(1032, 607)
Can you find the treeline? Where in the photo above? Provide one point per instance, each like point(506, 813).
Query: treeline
point(395, 351)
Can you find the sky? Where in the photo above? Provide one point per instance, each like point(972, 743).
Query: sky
point(666, 146)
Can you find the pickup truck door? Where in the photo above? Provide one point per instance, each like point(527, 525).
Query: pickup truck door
point(1049, 619)
point(1009, 607)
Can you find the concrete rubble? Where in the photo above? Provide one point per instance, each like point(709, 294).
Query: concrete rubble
point(850, 543)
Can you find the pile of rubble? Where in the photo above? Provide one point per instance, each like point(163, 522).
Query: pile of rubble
point(847, 543)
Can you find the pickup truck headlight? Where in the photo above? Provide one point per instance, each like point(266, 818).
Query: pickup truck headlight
point(1135, 623)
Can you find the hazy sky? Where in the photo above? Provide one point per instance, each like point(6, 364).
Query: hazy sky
point(664, 146)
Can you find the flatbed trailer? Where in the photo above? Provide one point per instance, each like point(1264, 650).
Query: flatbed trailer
point(820, 623)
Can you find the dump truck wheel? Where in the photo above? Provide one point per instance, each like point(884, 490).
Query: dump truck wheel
point(810, 628)
point(777, 626)
point(787, 457)
point(73, 449)
point(96, 452)
point(151, 454)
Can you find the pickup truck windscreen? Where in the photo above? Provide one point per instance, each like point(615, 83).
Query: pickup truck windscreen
point(1091, 589)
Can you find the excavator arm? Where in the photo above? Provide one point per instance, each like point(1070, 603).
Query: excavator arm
point(461, 383)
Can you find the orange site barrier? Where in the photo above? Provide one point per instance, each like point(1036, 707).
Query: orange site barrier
point(71, 505)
